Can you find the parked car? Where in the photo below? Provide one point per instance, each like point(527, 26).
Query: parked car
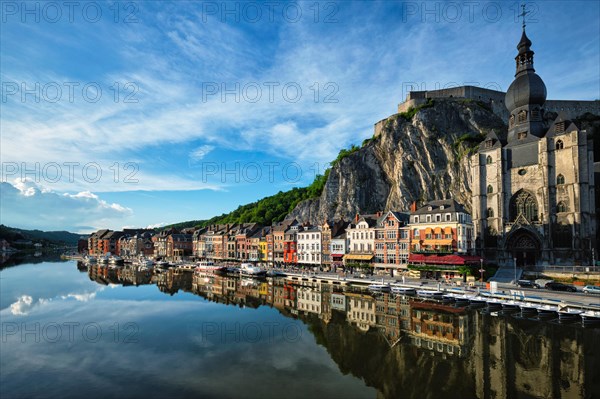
point(591, 289)
point(560, 287)
point(527, 284)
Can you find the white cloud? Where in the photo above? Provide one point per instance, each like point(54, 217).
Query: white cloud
point(28, 205)
point(199, 153)
point(22, 306)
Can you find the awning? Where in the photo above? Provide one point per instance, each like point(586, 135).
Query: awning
point(337, 256)
point(448, 230)
point(358, 257)
point(443, 259)
point(437, 230)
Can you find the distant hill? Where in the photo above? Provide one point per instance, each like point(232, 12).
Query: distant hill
point(11, 234)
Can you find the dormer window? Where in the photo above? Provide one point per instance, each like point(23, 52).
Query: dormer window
point(489, 143)
point(429, 208)
point(441, 206)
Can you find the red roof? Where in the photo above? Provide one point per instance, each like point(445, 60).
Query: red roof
point(443, 259)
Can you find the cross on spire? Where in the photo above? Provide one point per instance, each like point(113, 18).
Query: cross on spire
point(523, 14)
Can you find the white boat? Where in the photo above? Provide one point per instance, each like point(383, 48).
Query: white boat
point(103, 259)
point(430, 294)
point(590, 317)
point(404, 291)
point(547, 310)
point(251, 270)
point(208, 266)
point(568, 314)
point(528, 308)
point(477, 300)
point(379, 288)
point(144, 262)
point(90, 260)
point(494, 304)
point(115, 260)
point(511, 306)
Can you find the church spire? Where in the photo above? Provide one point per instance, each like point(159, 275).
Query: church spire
point(525, 57)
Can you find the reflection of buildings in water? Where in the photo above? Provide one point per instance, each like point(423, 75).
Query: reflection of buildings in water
point(538, 359)
point(361, 310)
point(309, 297)
point(439, 327)
point(338, 302)
point(173, 279)
point(134, 276)
point(461, 352)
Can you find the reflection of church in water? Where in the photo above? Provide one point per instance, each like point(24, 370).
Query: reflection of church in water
point(533, 193)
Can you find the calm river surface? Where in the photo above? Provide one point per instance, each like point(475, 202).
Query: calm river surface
point(73, 331)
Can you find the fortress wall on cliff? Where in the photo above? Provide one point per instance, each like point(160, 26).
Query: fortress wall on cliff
point(494, 98)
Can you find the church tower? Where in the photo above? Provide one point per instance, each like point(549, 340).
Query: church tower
point(525, 97)
point(533, 192)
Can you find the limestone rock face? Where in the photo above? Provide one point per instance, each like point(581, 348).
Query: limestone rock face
point(422, 158)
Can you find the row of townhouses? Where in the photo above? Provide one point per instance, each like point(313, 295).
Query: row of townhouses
point(437, 233)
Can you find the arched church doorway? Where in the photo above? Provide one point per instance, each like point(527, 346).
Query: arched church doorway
point(524, 247)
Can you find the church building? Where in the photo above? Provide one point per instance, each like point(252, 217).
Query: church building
point(533, 193)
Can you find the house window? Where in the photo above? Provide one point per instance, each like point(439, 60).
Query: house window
point(428, 218)
point(490, 213)
point(438, 218)
point(490, 189)
point(448, 217)
point(522, 135)
point(416, 219)
point(488, 160)
point(560, 145)
point(560, 179)
point(561, 207)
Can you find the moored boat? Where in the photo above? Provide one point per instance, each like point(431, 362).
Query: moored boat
point(251, 270)
point(547, 310)
point(90, 260)
point(568, 314)
point(430, 294)
point(590, 317)
point(115, 260)
point(208, 266)
point(404, 291)
point(379, 288)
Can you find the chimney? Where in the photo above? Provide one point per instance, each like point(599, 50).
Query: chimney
point(413, 206)
point(356, 218)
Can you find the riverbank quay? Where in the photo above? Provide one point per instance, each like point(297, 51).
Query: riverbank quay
point(505, 292)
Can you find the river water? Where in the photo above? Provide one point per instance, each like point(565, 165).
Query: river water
point(73, 331)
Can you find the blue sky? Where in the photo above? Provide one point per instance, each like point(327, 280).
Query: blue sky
point(146, 113)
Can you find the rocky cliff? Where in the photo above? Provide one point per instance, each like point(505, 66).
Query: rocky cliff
point(418, 156)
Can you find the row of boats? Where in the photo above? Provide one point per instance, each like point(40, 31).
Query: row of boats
point(202, 266)
point(527, 309)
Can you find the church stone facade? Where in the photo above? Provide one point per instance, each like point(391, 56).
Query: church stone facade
point(533, 194)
